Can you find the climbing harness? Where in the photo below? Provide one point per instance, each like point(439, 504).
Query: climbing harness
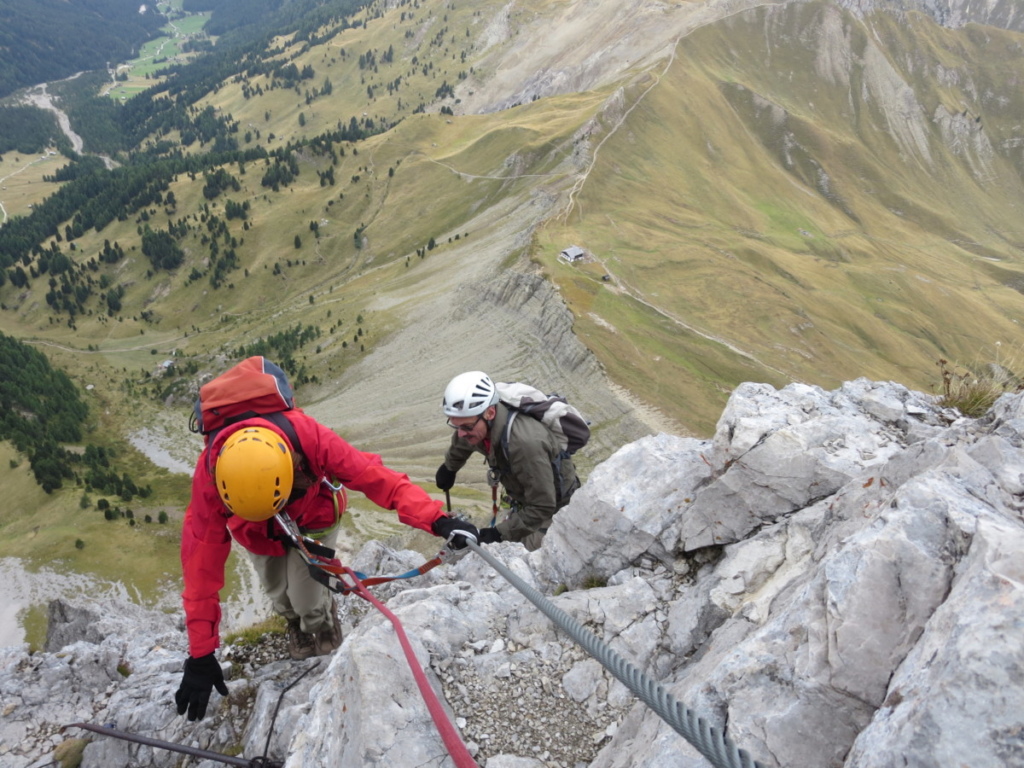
point(707, 739)
point(220, 757)
point(327, 570)
point(493, 480)
point(330, 572)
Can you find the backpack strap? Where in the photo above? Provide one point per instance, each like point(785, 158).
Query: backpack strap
point(280, 420)
point(508, 429)
point(556, 463)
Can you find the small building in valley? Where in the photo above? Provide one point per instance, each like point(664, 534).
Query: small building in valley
point(572, 255)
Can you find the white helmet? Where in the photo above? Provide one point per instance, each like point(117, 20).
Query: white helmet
point(469, 394)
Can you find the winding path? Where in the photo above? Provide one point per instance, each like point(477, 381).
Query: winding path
point(25, 167)
point(38, 96)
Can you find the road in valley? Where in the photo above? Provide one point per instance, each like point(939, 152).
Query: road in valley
point(39, 96)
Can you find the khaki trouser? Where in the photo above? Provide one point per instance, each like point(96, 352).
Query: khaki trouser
point(292, 591)
point(532, 540)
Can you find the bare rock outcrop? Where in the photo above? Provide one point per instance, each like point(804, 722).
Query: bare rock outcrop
point(1007, 14)
point(835, 579)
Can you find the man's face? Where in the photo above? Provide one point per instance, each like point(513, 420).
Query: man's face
point(472, 429)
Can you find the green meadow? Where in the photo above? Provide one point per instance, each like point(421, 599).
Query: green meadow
point(796, 232)
point(160, 53)
point(742, 224)
point(21, 181)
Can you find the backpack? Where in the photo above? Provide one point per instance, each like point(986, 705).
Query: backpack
point(567, 424)
point(254, 387)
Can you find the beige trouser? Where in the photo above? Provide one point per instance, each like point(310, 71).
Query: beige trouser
point(531, 539)
point(292, 591)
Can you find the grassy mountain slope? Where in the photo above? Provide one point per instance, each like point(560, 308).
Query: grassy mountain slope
point(830, 222)
point(778, 193)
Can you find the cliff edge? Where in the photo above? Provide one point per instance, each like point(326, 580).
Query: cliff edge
point(834, 578)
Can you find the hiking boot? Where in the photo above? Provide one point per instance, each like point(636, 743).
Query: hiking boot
point(300, 644)
point(328, 638)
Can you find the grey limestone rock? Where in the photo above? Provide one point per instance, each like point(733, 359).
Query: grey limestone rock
point(835, 578)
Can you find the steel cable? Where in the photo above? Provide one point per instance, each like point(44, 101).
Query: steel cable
point(273, 719)
point(705, 738)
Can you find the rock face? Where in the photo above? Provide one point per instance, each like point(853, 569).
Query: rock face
point(836, 579)
point(1007, 14)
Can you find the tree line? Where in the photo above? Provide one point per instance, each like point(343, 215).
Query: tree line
point(98, 196)
point(41, 411)
point(29, 130)
point(46, 40)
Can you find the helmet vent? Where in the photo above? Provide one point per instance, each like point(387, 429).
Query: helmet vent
point(254, 473)
point(469, 394)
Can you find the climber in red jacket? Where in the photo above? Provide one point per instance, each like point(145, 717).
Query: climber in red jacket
point(247, 473)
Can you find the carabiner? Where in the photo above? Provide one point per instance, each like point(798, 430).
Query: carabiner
point(335, 487)
point(449, 555)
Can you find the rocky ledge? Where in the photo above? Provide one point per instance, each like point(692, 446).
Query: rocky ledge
point(835, 579)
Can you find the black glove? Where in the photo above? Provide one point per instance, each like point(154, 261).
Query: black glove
point(489, 536)
point(200, 677)
point(445, 478)
point(444, 526)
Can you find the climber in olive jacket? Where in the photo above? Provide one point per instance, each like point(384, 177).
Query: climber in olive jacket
point(536, 474)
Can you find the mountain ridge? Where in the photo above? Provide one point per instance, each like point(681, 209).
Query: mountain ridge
point(787, 192)
point(950, 13)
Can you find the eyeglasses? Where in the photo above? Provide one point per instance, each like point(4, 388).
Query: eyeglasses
point(465, 429)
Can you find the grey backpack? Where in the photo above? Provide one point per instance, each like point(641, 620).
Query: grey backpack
point(567, 424)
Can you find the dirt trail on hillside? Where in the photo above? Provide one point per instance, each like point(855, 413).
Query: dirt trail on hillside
point(582, 45)
point(465, 308)
point(511, 323)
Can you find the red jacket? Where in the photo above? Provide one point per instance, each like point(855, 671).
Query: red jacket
point(205, 539)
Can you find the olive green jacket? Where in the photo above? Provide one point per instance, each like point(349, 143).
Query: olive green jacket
point(534, 472)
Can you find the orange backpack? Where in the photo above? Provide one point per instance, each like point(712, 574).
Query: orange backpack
point(254, 387)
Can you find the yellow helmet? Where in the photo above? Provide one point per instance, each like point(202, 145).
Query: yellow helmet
point(254, 473)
